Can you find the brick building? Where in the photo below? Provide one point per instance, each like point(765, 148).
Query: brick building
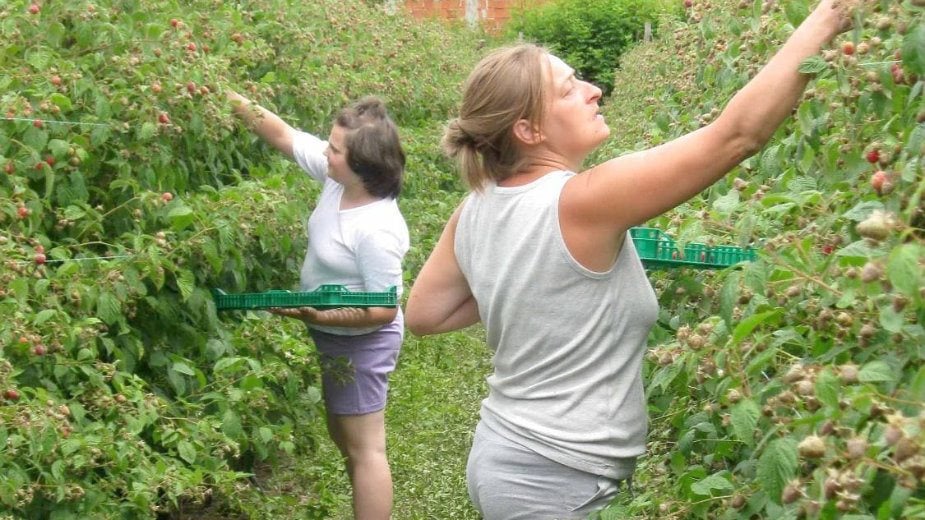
point(492, 14)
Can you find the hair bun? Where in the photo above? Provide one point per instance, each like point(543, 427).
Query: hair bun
point(371, 107)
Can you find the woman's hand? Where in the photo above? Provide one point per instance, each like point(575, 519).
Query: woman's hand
point(360, 317)
point(270, 127)
point(309, 315)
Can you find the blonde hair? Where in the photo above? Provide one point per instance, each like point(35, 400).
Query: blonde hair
point(506, 86)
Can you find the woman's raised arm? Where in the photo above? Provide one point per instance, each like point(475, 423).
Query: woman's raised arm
point(270, 127)
point(631, 189)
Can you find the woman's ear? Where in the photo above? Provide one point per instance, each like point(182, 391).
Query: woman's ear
point(527, 133)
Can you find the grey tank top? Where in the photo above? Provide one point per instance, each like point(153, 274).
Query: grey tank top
point(567, 342)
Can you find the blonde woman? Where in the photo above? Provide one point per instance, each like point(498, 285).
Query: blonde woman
point(538, 253)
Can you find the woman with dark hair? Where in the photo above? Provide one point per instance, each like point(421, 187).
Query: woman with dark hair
point(539, 253)
point(357, 238)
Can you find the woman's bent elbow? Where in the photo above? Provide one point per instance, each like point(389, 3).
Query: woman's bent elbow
point(417, 327)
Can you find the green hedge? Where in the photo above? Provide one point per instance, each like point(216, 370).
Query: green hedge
point(590, 35)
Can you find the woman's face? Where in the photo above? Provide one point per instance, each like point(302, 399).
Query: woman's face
point(572, 125)
point(336, 153)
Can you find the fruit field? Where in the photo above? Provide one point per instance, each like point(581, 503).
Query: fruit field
point(128, 193)
point(790, 387)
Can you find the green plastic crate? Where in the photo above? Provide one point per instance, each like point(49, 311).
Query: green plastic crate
point(659, 251)
point(324, 297)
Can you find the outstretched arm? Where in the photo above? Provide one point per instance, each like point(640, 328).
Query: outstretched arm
point(276, 132)
point(631, 189)
point(441, 300)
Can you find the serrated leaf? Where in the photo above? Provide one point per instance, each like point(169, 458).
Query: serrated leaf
point(108, 308)
point(180, 217)
point(863, 210)
point(728, 297)
point(746, 326)
point(38, 59)
point(827, 389)
point(727, 203)
point(904, 268)
point(890, 320)
point(744, 418)
point(74, 213)
point(58, 147)
point(777, 465)
point(187, 451)
point(917, 386)
point(186, 282)
point(231, 424)
point(225, 363)
point(147, 131)
point(44, 316)
point(913, 52)
point(63, 102)
point(876, 372)
point(35, 139)
point(860, 249)
point(183, 368)
point(813, 65)
point(664, 376)
point(705, 487)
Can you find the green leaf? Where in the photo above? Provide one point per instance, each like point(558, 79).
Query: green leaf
point(58, 147)
point(913, 52)
point(813, 65)
point(44, 316)
point(917, 386)
point(74, 213)
point(57, 470)
point(904, 270)
point(63, 102)
point(706, 486)
point(35, 139)
point(777, 465)
point(186, 282)
point(727, 203)
point(728, 298)
point(827, 388)
point(187, 451)
point(108, 308)
point(891, 320)
point(147, 131)
point(749, 324)
point(231, 424)
point(861, 249)
point(183, 368)
point(744, 420)
point(266, 434)
point(664, 376)
point(225, 363)
point(876, 372)
point(180, 217)
point(863, 210)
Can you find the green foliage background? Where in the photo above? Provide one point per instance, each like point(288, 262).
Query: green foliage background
point(125, 394)
point(132, 398)
point(589, 35)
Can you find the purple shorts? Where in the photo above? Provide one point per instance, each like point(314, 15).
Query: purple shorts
point(355, 369)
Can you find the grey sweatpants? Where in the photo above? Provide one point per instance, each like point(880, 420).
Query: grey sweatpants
point(510, 482)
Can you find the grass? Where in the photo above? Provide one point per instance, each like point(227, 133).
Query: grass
point(434, 399)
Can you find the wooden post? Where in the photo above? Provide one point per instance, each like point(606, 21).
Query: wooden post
point(647, 35)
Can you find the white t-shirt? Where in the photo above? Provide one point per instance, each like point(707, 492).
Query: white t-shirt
point(360, 248)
